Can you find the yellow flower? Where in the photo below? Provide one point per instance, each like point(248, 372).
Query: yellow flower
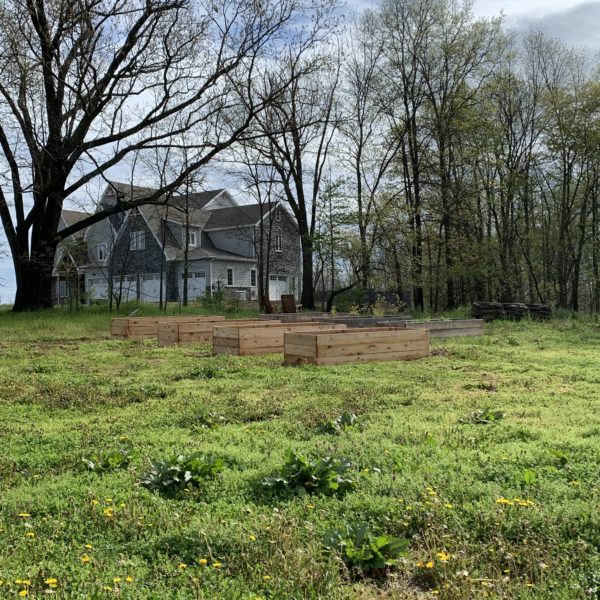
point(266, 577)
point(429, 564)
point(217, 565)
point(252, 537)
point(431, 491)
point(109, 512)
point(95, 502)
point(129, 579)
point(122, 505)
point(108, 500)
point(116, 580)
point(1, 581)
point(574, 482)
point(504, 501)
point(202, 561)
point(443, 556)
point(23, 593)
point(449, 506)
point(85, 559)
point(51, 581)
point(24, 515)
point(89, 546)
point(30, 534)
point(182, 566)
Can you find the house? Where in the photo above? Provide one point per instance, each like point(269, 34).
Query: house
point(206, 238)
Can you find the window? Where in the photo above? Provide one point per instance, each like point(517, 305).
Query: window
point(278, 214)
point(192, 239)
point(230, 277)
point(278, 244)
point(137, 240)
point(102, 252)
point(252, 277)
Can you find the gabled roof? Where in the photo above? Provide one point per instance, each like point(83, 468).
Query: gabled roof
point(238, 216)
point(71, 217)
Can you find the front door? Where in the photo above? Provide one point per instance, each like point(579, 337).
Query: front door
point(278, 285)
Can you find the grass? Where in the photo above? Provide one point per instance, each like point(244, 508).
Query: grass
point(507, 509)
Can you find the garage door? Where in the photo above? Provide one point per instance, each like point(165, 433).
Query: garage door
point(150, 291)
point(126, 288)
point(97, 288)
point(278, 285)
point(196, 285)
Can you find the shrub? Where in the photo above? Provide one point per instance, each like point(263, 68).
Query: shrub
point(171, 476)
point(323, 476)
point(361, 551)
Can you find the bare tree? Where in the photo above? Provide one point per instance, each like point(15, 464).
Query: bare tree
point(88, 82)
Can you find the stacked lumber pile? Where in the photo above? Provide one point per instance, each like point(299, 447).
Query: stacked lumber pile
point(355, 346)
point(489, 311)
point(540, 312)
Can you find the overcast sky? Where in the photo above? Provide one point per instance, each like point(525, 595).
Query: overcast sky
point(573, 21)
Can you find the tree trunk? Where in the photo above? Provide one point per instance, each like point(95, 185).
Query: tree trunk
point(308, 294)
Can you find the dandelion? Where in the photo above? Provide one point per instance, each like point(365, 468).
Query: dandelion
point(431, 492)
point(116, 580)
point(95, 502)
point(182, 566)
point(23, 593)
point(51, 582)
point(202, 561)
point(443, 556)
point(574, 482)
point(504, 501)
point(30, 534)
point(109, 512)
point(108, 500)
point(449, 506)
point(24, 515)
point(89, 546)
point(217, 565)
point(85, 559)
point(429, 564)
point(129, 579)
point(266, 577)
point(252, 537)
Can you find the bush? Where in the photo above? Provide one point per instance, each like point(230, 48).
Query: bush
point(325, 476)
point(108, 461)
point(170, 477)
point(347, 420)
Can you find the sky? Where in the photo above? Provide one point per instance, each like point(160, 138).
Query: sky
point(573, 21)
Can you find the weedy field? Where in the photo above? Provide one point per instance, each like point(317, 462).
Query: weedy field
point(132, 471)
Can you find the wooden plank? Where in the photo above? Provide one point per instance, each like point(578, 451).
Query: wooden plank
point(381, 348)
point(352, 336)
point(364, 358)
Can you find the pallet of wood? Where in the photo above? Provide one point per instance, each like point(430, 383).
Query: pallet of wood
point(355, 346)
point(450, 328)
point(138, 328)
point(189, 332)
point(268, 339)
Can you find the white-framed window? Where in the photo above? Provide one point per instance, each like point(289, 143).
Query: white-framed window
point(137, 240)
point(101, 252)
point(252, 277)
point(195, 274)
point(192, 239)
point(278, 244)
point(230, 276)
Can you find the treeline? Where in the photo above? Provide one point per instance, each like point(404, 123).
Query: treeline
point(442, 156)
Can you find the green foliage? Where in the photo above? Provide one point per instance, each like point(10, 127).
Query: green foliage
point(361, 551)
point(171, 476)
point(108, 461)
point(301, 476)
point(483, 416)
point(347, 420)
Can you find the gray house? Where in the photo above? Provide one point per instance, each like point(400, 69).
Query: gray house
point(147, 253)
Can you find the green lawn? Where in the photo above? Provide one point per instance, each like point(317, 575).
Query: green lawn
point(509, 509)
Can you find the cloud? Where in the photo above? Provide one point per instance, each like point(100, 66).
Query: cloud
point(577, 25)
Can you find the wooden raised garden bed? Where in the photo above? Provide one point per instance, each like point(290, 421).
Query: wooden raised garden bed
point(137, 328)
point(355, 346)
point(242, 340)
point(188, 332)
point(453, 328)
